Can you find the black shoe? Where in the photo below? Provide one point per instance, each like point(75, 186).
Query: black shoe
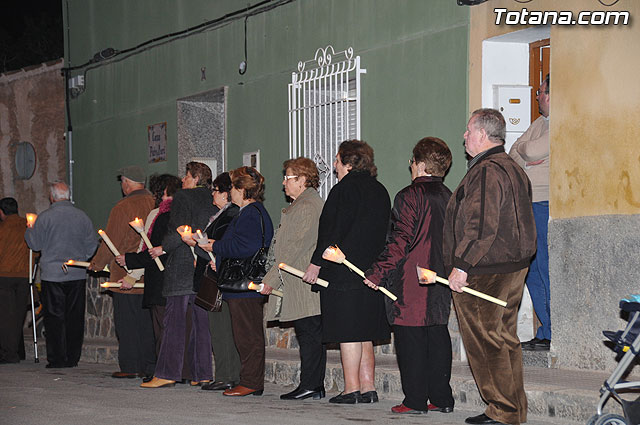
point(368, 397)
point(301, 394)
point(537, 344)
point(147, 378)
point(218, 386)
point(342, 398)
point(482, 420)
point(55, 366)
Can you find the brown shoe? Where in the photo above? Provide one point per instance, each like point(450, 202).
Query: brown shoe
point(158, 383)
point(240, 391)
point(121, 375)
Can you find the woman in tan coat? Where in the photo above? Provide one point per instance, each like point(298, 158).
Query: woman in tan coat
point(293, 244)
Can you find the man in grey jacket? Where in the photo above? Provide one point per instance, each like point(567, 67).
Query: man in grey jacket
point(62, 232)
point(489, 239)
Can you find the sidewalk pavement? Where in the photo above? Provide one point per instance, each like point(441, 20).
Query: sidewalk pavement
point(31, 394)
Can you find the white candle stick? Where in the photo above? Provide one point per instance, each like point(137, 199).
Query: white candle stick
point(334, 254)
point(119, 285)
point(426, 276)
point(81, 264)
point(111, 246)
point(296, 272)
point(138, 226)
point(258, 288)
point(202, 241)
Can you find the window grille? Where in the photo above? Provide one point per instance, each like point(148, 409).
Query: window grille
point(324, 109)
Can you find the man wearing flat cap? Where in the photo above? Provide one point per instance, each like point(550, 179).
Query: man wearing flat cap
point(134, 329)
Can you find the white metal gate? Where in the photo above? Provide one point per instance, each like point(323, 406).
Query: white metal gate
point(324, 109)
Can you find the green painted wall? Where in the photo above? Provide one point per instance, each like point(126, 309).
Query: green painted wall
point(414, 51)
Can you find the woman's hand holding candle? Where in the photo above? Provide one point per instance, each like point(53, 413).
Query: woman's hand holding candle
point(370, 284)
point(266, 289)
point(156, 251)
point(203, 241)
point(311, 275)
point(287, 268)
point(426, 276)
point(260, 288)
point(212, 264)
point(124, 285)
point(121, 261)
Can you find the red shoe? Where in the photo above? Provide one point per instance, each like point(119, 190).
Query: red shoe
point(401, 408)
point(433, 407)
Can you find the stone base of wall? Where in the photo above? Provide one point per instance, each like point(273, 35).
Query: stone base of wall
point(593, 264)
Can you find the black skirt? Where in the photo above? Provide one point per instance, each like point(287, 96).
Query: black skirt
point(356, 315)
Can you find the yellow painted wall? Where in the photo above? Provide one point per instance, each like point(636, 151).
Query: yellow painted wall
point(595, 106)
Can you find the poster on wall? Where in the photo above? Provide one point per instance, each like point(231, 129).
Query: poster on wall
point(157, 138)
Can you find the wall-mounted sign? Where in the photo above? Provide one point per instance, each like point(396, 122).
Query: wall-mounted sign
point(251, 159)
point(157, 138)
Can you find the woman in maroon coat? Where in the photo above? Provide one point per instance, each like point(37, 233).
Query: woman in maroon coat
point(420, 315)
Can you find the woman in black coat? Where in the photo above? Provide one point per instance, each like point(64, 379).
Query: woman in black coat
point(355, 218)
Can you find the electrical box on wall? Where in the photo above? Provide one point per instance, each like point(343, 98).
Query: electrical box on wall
point(515, 104)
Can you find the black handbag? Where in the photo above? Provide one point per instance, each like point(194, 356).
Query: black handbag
point(209, 296)
point(234, 274)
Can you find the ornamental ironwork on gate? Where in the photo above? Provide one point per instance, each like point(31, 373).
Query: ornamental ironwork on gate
point(324, 109)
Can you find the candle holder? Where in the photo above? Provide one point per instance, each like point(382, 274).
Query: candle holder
point(203, 240)
point(335, 255)
point(426, 276)
point(138, 226)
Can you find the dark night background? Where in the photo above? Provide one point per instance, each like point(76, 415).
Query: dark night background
point(30, 33)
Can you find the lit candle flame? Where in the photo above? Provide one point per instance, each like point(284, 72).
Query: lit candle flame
point(426, 275)
point(31, 219)
point(254, 287)
point(70, 262)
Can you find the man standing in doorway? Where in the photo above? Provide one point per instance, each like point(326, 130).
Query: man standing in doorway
point(134, 328)
point(489, 239)
point(63, 232)
point(531, 152)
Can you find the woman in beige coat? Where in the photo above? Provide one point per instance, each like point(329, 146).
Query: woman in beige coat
point(293, 244)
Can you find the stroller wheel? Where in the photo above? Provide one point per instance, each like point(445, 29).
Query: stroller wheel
point(607, 419)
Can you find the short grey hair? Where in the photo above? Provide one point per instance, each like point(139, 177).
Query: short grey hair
point(492, 122)
point(59, 191)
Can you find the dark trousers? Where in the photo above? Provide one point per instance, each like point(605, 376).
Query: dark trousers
point(489, 334)
point(313, 353)
point(134, 329)
point(225, 354)
point(64, 306)
point(14, 299)
point(424, 360)
point(248, 334)
point(172, 352)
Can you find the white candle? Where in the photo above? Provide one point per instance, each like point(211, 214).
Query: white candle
point(334, 254)
point(138, 225)
point(119, 285)
point(296, 272)
point(259, 288)
point(426, 276)
point(110, 244)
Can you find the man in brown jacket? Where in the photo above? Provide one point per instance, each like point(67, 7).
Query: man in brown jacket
point(14, 282)
point(134, 329)
point(489, 239)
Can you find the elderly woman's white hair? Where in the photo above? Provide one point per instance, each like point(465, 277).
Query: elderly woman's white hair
point(59, 191)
